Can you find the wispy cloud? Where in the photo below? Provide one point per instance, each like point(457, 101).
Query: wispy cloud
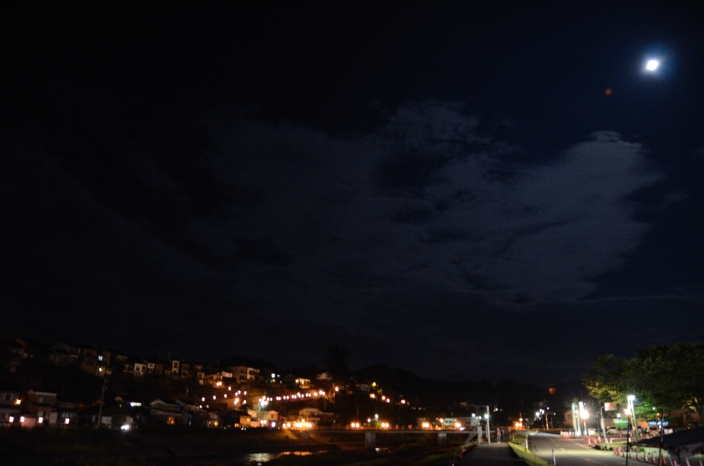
point(426, 204)
point(396, 235)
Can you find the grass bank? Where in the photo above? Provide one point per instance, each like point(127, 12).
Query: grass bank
point(526, 455)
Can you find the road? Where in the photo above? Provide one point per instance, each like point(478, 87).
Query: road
point(491, 454)
point(573, 452)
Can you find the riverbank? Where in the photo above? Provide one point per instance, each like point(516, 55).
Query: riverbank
point(153, 445)
point(185, 446)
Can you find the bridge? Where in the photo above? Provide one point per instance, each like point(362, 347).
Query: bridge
point(370, 434)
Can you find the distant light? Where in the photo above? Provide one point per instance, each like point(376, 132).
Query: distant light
point(66, 421)
point(125, 427)
point(652, 65)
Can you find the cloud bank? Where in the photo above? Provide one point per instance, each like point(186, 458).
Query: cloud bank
point(425, 205)
point(421, 231)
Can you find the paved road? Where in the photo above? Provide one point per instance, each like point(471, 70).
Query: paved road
point(568, 452)
point(499, 454)
point(573, 452)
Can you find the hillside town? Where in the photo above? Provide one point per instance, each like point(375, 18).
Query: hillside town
point(108, 387)
point(68, 384)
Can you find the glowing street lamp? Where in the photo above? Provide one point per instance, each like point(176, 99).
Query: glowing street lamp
point(584, 414)
point(631, 412)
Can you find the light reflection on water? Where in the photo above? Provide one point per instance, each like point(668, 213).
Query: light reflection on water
point(259, 458)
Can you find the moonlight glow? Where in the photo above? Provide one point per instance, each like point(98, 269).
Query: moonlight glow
point(652, 65)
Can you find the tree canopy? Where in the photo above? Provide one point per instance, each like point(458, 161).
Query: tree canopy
point(664, 377)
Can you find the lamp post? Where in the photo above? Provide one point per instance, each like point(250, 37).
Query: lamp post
point(577, 412)
point(584, 414)
point(488, 424)
point(102, 399)
point(632, 412)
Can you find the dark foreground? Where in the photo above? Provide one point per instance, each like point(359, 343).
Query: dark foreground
point(184, 446)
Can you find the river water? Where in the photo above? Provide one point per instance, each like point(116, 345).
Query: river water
point(259, 458)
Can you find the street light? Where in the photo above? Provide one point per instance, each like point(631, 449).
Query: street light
point(584, 414)
point(488, 426)
point(632, 412)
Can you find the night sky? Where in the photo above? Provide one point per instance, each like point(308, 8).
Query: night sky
point(468, 190)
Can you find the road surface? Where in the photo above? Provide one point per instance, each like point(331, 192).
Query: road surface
point(573, 452)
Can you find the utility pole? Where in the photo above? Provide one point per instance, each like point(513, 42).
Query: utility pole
point(488, 426)
point(628, 441)
point(488, 423)
point(102, 396)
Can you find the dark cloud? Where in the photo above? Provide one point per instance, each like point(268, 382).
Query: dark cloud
point(416, 205)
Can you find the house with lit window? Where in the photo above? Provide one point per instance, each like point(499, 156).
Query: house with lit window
point(243, 374)
point(9, 403)
point(172, 367)
point(39, 405)
point(65, 411)
point(136, 366)
point(165, 411)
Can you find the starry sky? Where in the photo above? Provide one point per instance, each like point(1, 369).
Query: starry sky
point(468, 190)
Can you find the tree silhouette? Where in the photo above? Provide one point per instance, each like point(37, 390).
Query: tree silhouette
point(336, 362)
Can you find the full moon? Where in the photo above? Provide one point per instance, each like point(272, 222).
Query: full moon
point(652, 65)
